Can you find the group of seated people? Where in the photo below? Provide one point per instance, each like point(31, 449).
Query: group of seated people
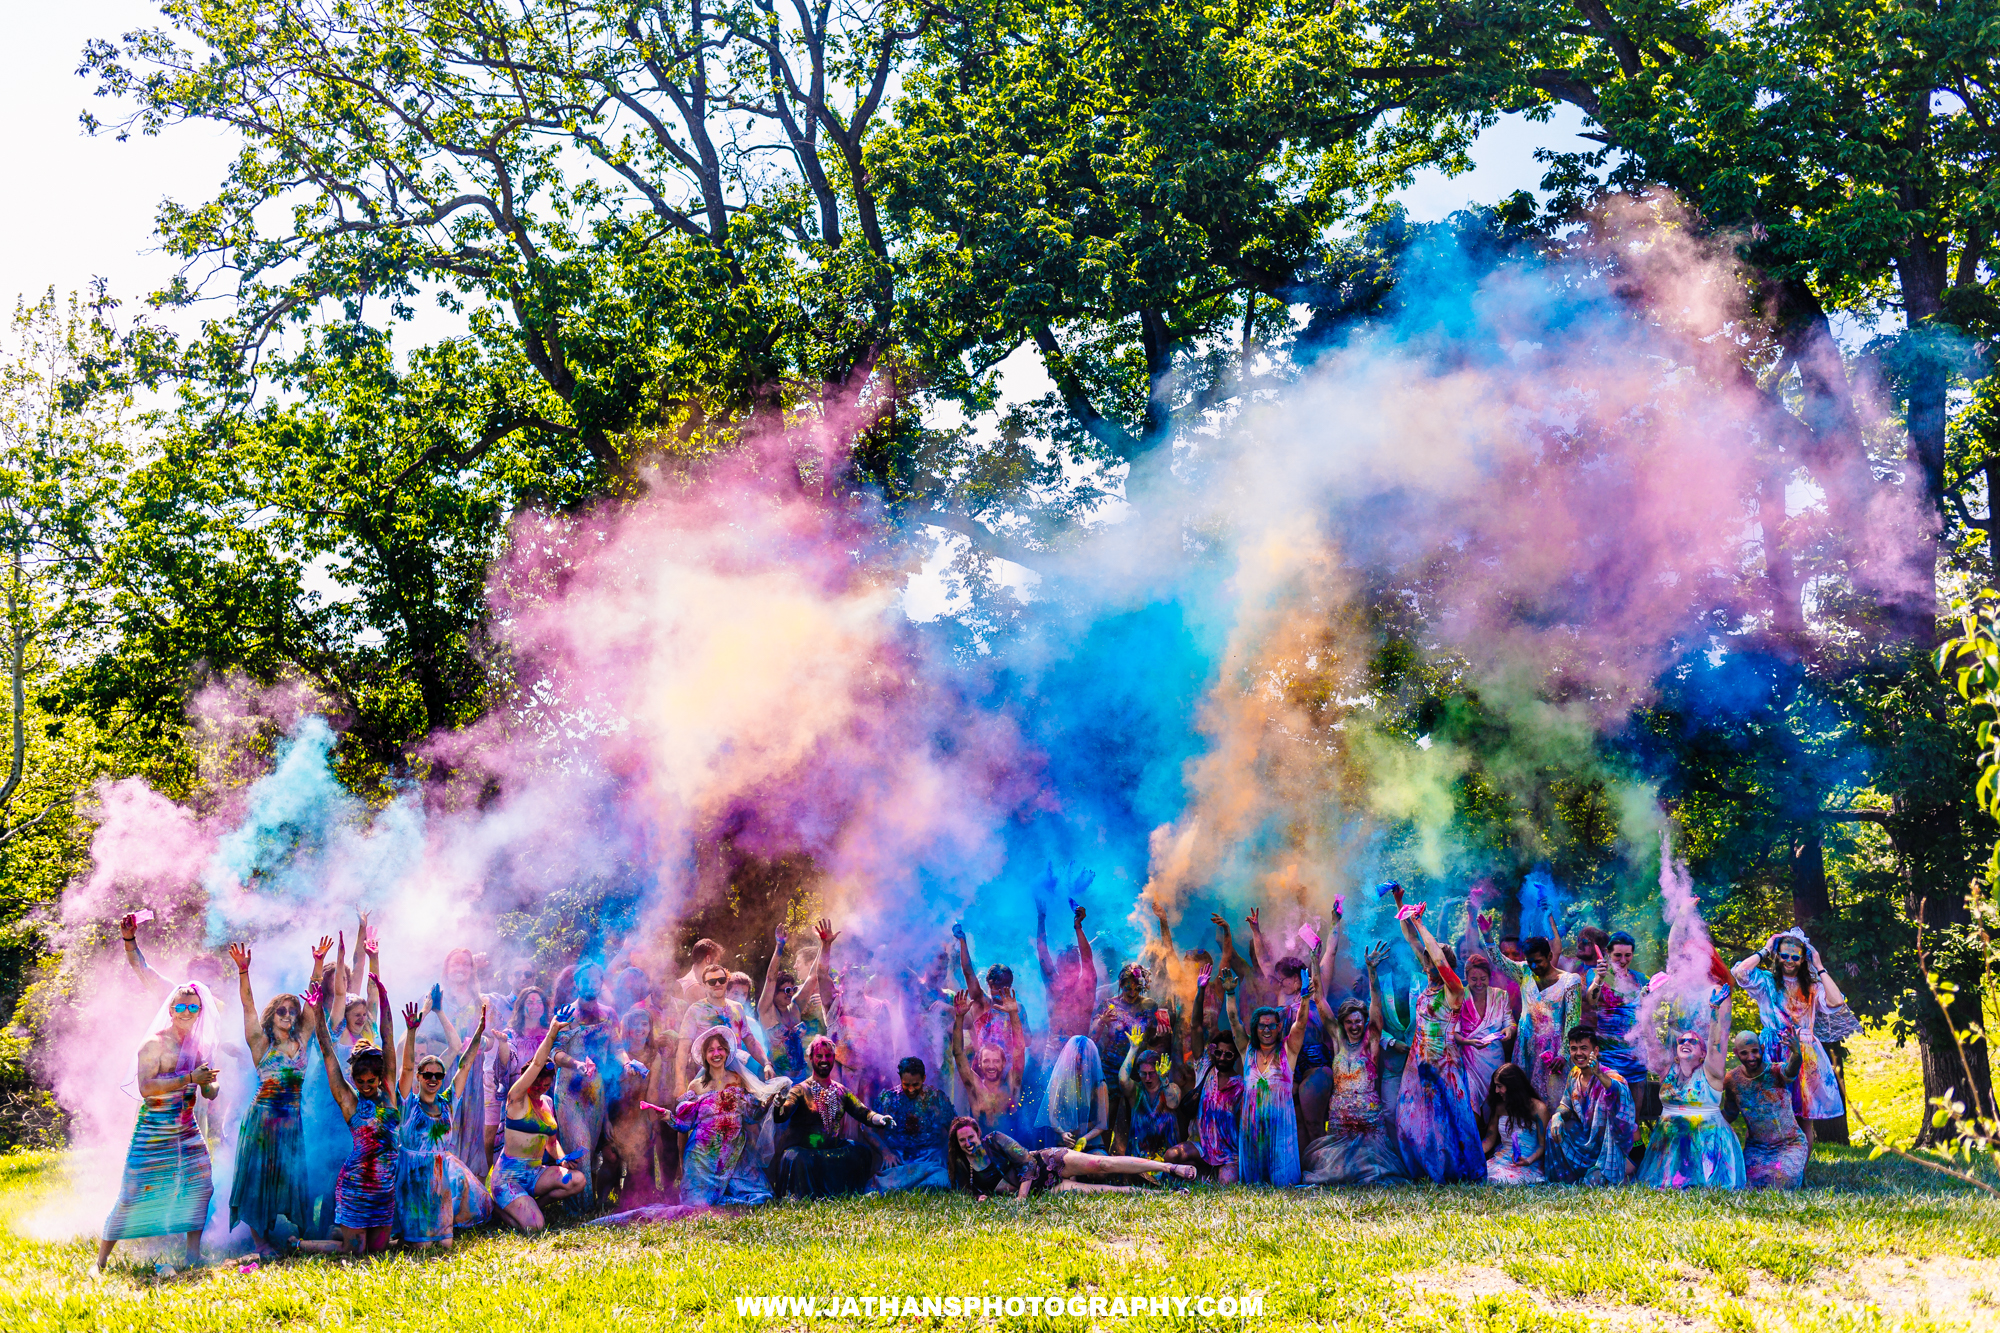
point(629, 1087)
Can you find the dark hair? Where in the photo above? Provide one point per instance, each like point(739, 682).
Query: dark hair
point(1000, 975)
point(909, 1064)
point(1538, 942)
point(364, 1057)
point(1257, 1017)
point(784, 979)
point(520, 1014)
point(1510, 939)
point(1512, 1090)
point(1583, 1032)
point(1618, 937)
point(1594, 935)
point(957, 1165)
point(1291, 964)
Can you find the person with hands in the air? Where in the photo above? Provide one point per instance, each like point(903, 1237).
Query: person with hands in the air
point(364, 1190)
point(1437, 1130)
point(270, 1181)
point(1070, 977)
point(1267, 1142)
point(531, 1167)
point(1359, 1146)
point(992, 1076)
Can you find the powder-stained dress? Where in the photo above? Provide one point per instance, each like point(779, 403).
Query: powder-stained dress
point(1436, 1131)
point(1359, 1146)
point(364, 1193)
point(1519, 1141)
point(717, 1168)
point(270, 1179)
point(168, 1184)
point(1541, 1046)
point(1692, 1147)
point(436, 1193)
point(1775, 1153)
point(1214, 1130)
point(1267, 1139)
point(1816, 1091)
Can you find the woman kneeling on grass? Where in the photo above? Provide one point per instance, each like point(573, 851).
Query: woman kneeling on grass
point(988, 1163)
point(519, 1178)
point(364, 1193)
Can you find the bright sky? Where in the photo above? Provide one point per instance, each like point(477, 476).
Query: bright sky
point(85, 206)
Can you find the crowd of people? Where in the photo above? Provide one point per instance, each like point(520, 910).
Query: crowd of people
point(631, 1085)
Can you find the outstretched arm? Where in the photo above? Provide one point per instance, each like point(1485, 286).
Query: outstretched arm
point(462, 1070)
point(530, 1071)
point(961, 1003)
point(1718, 1035)
point(1377, 1006)
point(336, 1081)
point(1260, 952)
point(150, 982)
point(965, 966)
point(253, 1031)
point(767, 1001)
point(1744, 970)
point(413, 1017)
point(1043, 892)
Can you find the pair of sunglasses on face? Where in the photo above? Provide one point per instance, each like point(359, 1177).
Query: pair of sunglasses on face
point(431, 1075)
point(187, 1008)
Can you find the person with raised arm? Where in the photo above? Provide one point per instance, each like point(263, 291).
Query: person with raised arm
point(1437, 1131)
point(1302, 1003)
point(1793, 991)
point(1775, 1150)
point(1613, 990)
point(816, 1158)
point(1517, 1129)
point(1593, 1125)
point(991, 1022)
point(790, 1020)
point(1359, 1146)
point(270, 1179)
point(1485, 1045)
point(521, 1177)
point(168, 1185)
point(1212, 1138)
point(151, 983)
point(476, 1115)
point(1152, 1093)
point(364, 1191)
point(1267, 1135)
point(1070, 977)
point(1551, 1004)
point(1693, 1146)
point(992, 1076)
point(716, 1009)
point(992, 1165)
point(436, 1192)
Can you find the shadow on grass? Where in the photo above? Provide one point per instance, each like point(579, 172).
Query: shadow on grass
point(1852, 1171)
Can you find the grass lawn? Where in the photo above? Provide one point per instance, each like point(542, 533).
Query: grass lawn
point(1867, 1246)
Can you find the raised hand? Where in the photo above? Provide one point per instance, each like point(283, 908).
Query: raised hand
point(1203, 978)
point(958, 931)
point(1252, 919)
point(1136, 1036)
point(413, 1017)
point(1007, 1005)
point(1339, 904)
point(1221, 926)
point(320, 951)
point(1378, 953)
point(239, 954)
point(778, 940)
point(827, 934)
point(128, 927)
point(564, 1017)
point(371, 943)
point(961, 1003)
point(1230, 981)
point(312, 997)
point(480, 1031)
point(1078, 882)
point(1076, 912)
point(437, 997)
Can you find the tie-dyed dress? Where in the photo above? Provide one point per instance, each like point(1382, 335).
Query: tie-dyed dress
point(364, 1193)
point(1816, 1091)
point(717, 1168)
point(1509, 1163)
point(1692, 1147)
point(270, 1179)
point(1436, 1131)
point(1215, 1115)
point(1267, 1138)
point(168, 1184)
point(1776, 1151)
point(1359, 1146)
point(1541, 1046)
point(435, 1191)
point(1485, 1051)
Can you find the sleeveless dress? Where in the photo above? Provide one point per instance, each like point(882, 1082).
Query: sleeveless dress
point(1267, 1139)
point(1484, 1061)
point(364, 1194)
point(717, 1167)
point(1693, 1147)
point(270, 1179)
point(1155, 1127)
point(1775, 1153)
point(1215, 1114)
point(1518, 1142)
point(435, 1191)
point(1359, 1146)
point(1436, 1131)
point(1816, 1091)
point(168, 1184)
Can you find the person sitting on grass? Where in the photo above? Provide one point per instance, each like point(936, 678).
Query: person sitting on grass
point(522, 1177)
point(992, 1164)
point(1517, 1129)
point(1692, 1146)
point(816, 1158)
point(436, 1192)
point(720, 1113)
point(1592, 1128)
point(913, 1141)
point(1775, 1149)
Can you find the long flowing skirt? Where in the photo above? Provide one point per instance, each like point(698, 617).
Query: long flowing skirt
point(1355, 1150)
point(1267, 1140)
point(468, 1119)
point(920, 1171)
point(1435, 1130)
point(1693, 1149)
point(436, 1193)
point(168, 1186)
point(270, 1179)
point(1776, 1166)
point(707, 1183)
point(840, 1166)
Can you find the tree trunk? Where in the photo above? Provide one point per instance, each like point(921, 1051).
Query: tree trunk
point(1810, 904)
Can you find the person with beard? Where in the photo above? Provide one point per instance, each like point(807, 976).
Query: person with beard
point(1591, 1131)
point(1774, 1149)
point(816, 1158)
point(1359, 1146)
point(992, 1077)
point(1211, 1143)
point(1267, 1126)
point(1794, 993)
point(1551, 1004)
point(913, 1142)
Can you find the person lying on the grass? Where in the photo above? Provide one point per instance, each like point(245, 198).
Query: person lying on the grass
point(912, 1142)
point(992, 1164)
point(436, 1192)
point(1775, 1153)
point(168, 1186)
point(720, 1113)
point(364, 1191)
point(1591, 1131)
point(1693, 1147)
point(521, 1178)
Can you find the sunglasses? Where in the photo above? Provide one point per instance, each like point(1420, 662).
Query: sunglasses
point(1688, 1041)
point(716, 981)
point(187, 1008)
point(431, 1075)
point(284, 1011)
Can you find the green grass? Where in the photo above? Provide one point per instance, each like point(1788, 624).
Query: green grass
point(1886, 1083)
point(1470, 1259)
